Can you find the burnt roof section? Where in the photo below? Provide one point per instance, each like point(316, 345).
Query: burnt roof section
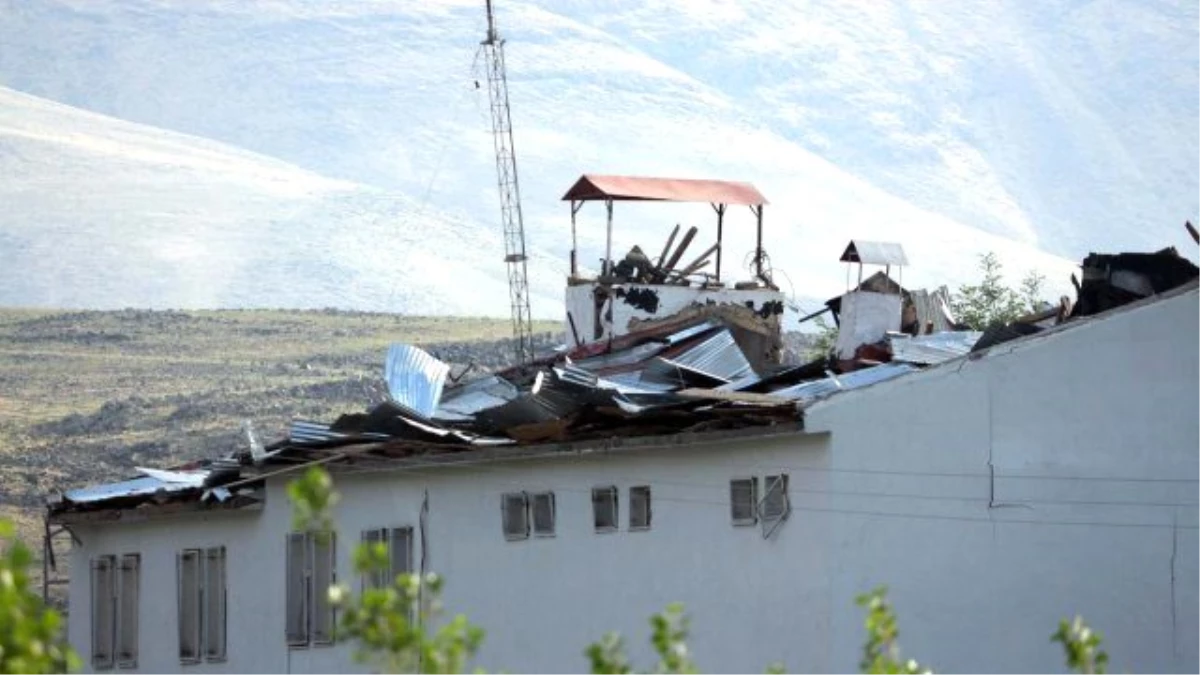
point(593, 187)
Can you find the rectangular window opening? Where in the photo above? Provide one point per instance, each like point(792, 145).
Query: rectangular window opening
point(543, 514)
point(639, 507)
point(604, 508)
point(743, 500)
point(515, 515)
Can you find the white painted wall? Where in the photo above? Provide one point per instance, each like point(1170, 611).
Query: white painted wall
point(671, 299)
point(896, 492)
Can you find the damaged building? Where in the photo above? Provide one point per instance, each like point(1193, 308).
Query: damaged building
point(996, 482)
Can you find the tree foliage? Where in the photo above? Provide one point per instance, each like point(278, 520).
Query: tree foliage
point(1082, 646)
point(31, 635)
point(990, 303)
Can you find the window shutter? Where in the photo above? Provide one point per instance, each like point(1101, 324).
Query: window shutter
point(324, 551)
point(188, 575)
point(639, 507)
point(604, 508)
point(127, 610)
point(775, 506)
point(743, 500)
point(543, 514)
point(214, 603)
point(401, 554)
point(514, 511)
point(103, 612)
point(297, 589)
point(374, 578)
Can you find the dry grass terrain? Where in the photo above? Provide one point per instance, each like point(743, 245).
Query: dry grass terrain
point(86, 396)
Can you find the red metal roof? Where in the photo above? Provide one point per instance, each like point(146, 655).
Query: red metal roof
point(591, 187)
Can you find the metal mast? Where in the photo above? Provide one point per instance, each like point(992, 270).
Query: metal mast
point(510, 192)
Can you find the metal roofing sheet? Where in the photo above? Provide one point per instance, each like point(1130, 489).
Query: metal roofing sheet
point(415, 379)
point(933, 348)
point(144, 485)
point(810, 391)
point(592, 187)
point(461, 403)
point(718, 356)
point(874, 253)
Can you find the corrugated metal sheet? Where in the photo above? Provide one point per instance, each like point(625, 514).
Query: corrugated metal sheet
point(145, 485)
point(305, 431)
point(874, 253)
point(718, 356)
point(811, 391)
point(933, 348)
point(620, 359)
point(462, 403)
point(593, 187)
point(415, 379)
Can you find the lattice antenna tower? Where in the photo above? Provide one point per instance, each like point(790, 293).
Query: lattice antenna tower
point(510, 192)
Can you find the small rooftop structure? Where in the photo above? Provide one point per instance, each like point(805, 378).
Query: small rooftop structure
point(719, 193)
point(874, 253)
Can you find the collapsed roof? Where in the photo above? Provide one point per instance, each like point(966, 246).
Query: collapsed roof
point(683, 377)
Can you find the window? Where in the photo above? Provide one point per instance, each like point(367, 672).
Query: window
point(604, 508)
point(115, 610)
point(775, 505)
point(743, 500)
point(201, 589)
point(639, 507)
point(514, 512)
point(398, 542)
point(104, 611)
point(310, 573)
point(543, 514)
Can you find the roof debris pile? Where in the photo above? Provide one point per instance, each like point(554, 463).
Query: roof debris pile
point(697, 370)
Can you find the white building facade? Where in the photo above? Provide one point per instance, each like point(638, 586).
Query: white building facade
point(994, 495)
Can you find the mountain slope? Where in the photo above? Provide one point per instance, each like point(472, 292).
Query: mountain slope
point(105, 213)
point(949, 128)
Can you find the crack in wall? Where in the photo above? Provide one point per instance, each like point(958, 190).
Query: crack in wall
point(1174, 551)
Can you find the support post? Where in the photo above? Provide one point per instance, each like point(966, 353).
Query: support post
point(758, 250)
point(720, 209)
point(608, 245)
point(575, 206)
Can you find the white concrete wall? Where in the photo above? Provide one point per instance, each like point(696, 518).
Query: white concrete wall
point(1095, 425)
point(899, 492)
point(671, 299)
point(541, 600)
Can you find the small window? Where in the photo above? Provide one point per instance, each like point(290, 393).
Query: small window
point(743, 500)
point(398, 542)
point(127, 610)
point(104, 611)
point(604, 508)
point(543, 514)
point(214, 603)
point(775, 506)
point(188, 573)
point(310, 572)
point(514, 508)
point(639, 507)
